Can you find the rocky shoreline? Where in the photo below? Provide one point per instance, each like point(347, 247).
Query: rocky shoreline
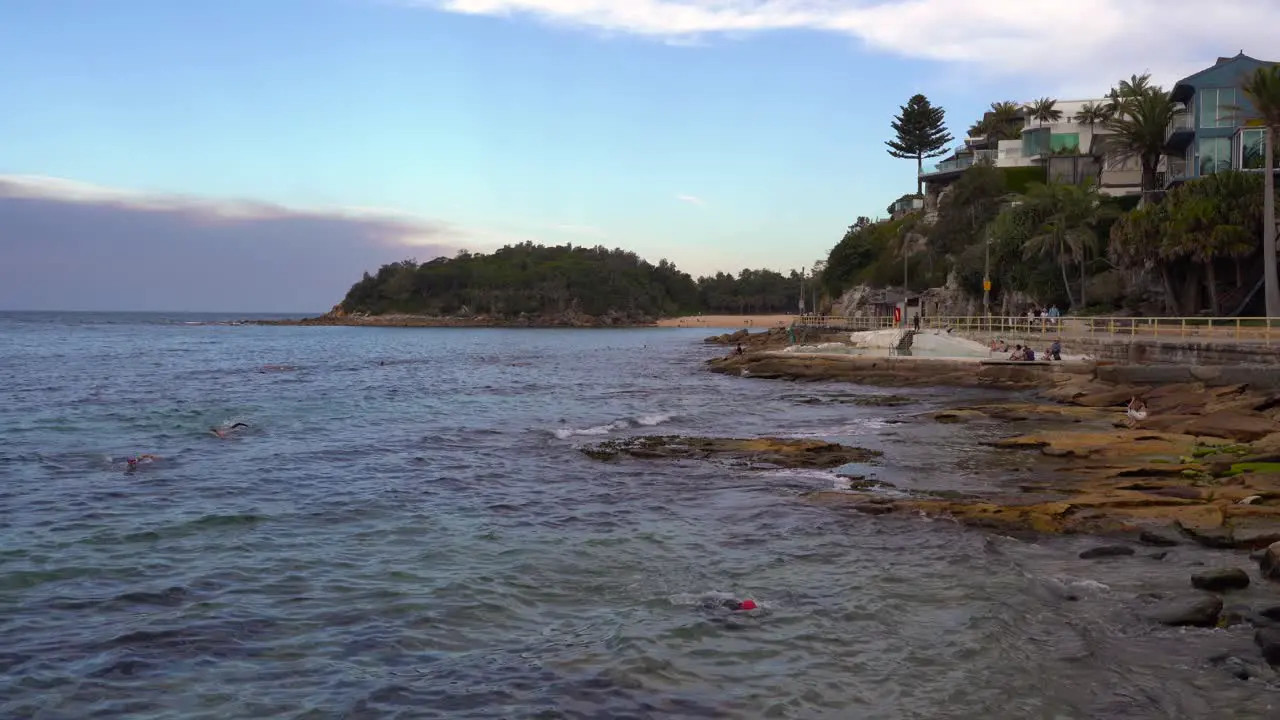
point(1203, 468)
point(337, 318)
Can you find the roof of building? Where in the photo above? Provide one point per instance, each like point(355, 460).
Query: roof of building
point(1188, 81)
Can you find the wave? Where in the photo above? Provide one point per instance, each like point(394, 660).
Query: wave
point(650, 420)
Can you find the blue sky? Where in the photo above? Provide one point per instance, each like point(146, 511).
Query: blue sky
point(747, 134)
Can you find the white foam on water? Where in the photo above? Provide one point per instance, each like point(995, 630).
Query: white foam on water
point(649, 420)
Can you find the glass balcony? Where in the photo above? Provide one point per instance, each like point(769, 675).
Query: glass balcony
point(961, 163)
point(1181, 122)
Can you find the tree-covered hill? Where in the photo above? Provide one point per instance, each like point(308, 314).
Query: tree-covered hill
point(538, 280)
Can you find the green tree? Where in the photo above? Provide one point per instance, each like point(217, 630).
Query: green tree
point(1092, 114)
point(1002, 122)
point(1138, 129)
point(919, 132)
point(1216, 217)
point(1044, 110)
point(1067, 233)
point(1120, 97)
point(1263, 90)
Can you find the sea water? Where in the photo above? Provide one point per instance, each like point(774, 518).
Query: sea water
point(408, 529)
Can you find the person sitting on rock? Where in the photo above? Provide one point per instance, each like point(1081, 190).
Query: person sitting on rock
point(739, 350)
point(1028, 354)
point(1136, 411)
point(1055, 350)
point(1018, 353)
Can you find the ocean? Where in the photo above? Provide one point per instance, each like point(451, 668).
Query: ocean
point(407, 529)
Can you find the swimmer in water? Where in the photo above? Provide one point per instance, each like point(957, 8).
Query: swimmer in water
point(732, 605)
point(223, 432)
point(132, 463)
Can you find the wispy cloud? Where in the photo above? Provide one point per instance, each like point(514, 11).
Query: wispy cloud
point(692, 200)
point(72, 245)
point(1081, 43)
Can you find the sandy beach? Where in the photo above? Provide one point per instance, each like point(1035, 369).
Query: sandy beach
point(732, 322)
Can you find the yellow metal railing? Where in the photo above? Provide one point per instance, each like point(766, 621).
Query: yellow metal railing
point(1261, 330)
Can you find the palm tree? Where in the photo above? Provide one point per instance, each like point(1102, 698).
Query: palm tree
point(1002, 122)
point(1092, 114)
point(1043, 110)
point(1126, 91)
point(1138, 129)
point(1068, 233)
point(1263, 90)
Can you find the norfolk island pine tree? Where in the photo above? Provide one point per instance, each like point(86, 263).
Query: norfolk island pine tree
point(921, 133)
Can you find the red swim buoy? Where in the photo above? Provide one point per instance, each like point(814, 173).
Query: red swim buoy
point(748, 605)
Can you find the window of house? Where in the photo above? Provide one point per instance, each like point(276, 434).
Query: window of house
point(1063, 142)
point(1215, 155)
point(1251, 149)
point(1218, 107)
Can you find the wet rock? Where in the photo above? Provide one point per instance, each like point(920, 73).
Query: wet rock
point(1221, 580)
point(1194, 611)
point(1270, 613)
point(1106, 551)
point(1269, 564)
point(1237, 668)
point(1255, 538)
point(1268, 640)
point(758, 453)
point(1233, 425)
point(1153, 538)
point(873, 508)
point(1236, 615)
point(1159, 555)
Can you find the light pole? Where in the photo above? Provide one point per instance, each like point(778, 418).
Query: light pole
point(801, 292)
point(986, 278)
point(902, 235)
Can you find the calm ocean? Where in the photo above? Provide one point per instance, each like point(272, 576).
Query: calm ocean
point(407, 530)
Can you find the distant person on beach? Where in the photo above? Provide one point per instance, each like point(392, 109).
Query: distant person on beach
point(223, 432)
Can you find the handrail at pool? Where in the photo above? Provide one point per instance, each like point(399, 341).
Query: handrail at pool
point(1243, 329)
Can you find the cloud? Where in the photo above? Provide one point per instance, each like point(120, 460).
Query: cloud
point(691, 199)
point(1086, 43)
point(70, 245)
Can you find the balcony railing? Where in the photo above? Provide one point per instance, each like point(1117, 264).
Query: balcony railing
point(1180, 122)
point(964, 162)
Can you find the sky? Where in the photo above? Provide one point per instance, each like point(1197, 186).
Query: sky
point(259, 155)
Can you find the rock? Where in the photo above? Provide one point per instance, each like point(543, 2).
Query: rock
point(1270, 562)
point(1268, 639)
point(1104, 551)
point(1235, 615)
point(757, 453)
point(1255, 538)
point(1159, 556)
point(1221, 580)
point(1271, 613)
point(1151, 537)
point(1195, 611)
point(873, 508)
point(1233, 425)
point(1238, 668)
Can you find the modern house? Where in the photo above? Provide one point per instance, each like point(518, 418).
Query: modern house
point(1069, 152)
point(1212, 133)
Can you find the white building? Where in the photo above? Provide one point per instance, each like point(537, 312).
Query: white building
point(1070, 151)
